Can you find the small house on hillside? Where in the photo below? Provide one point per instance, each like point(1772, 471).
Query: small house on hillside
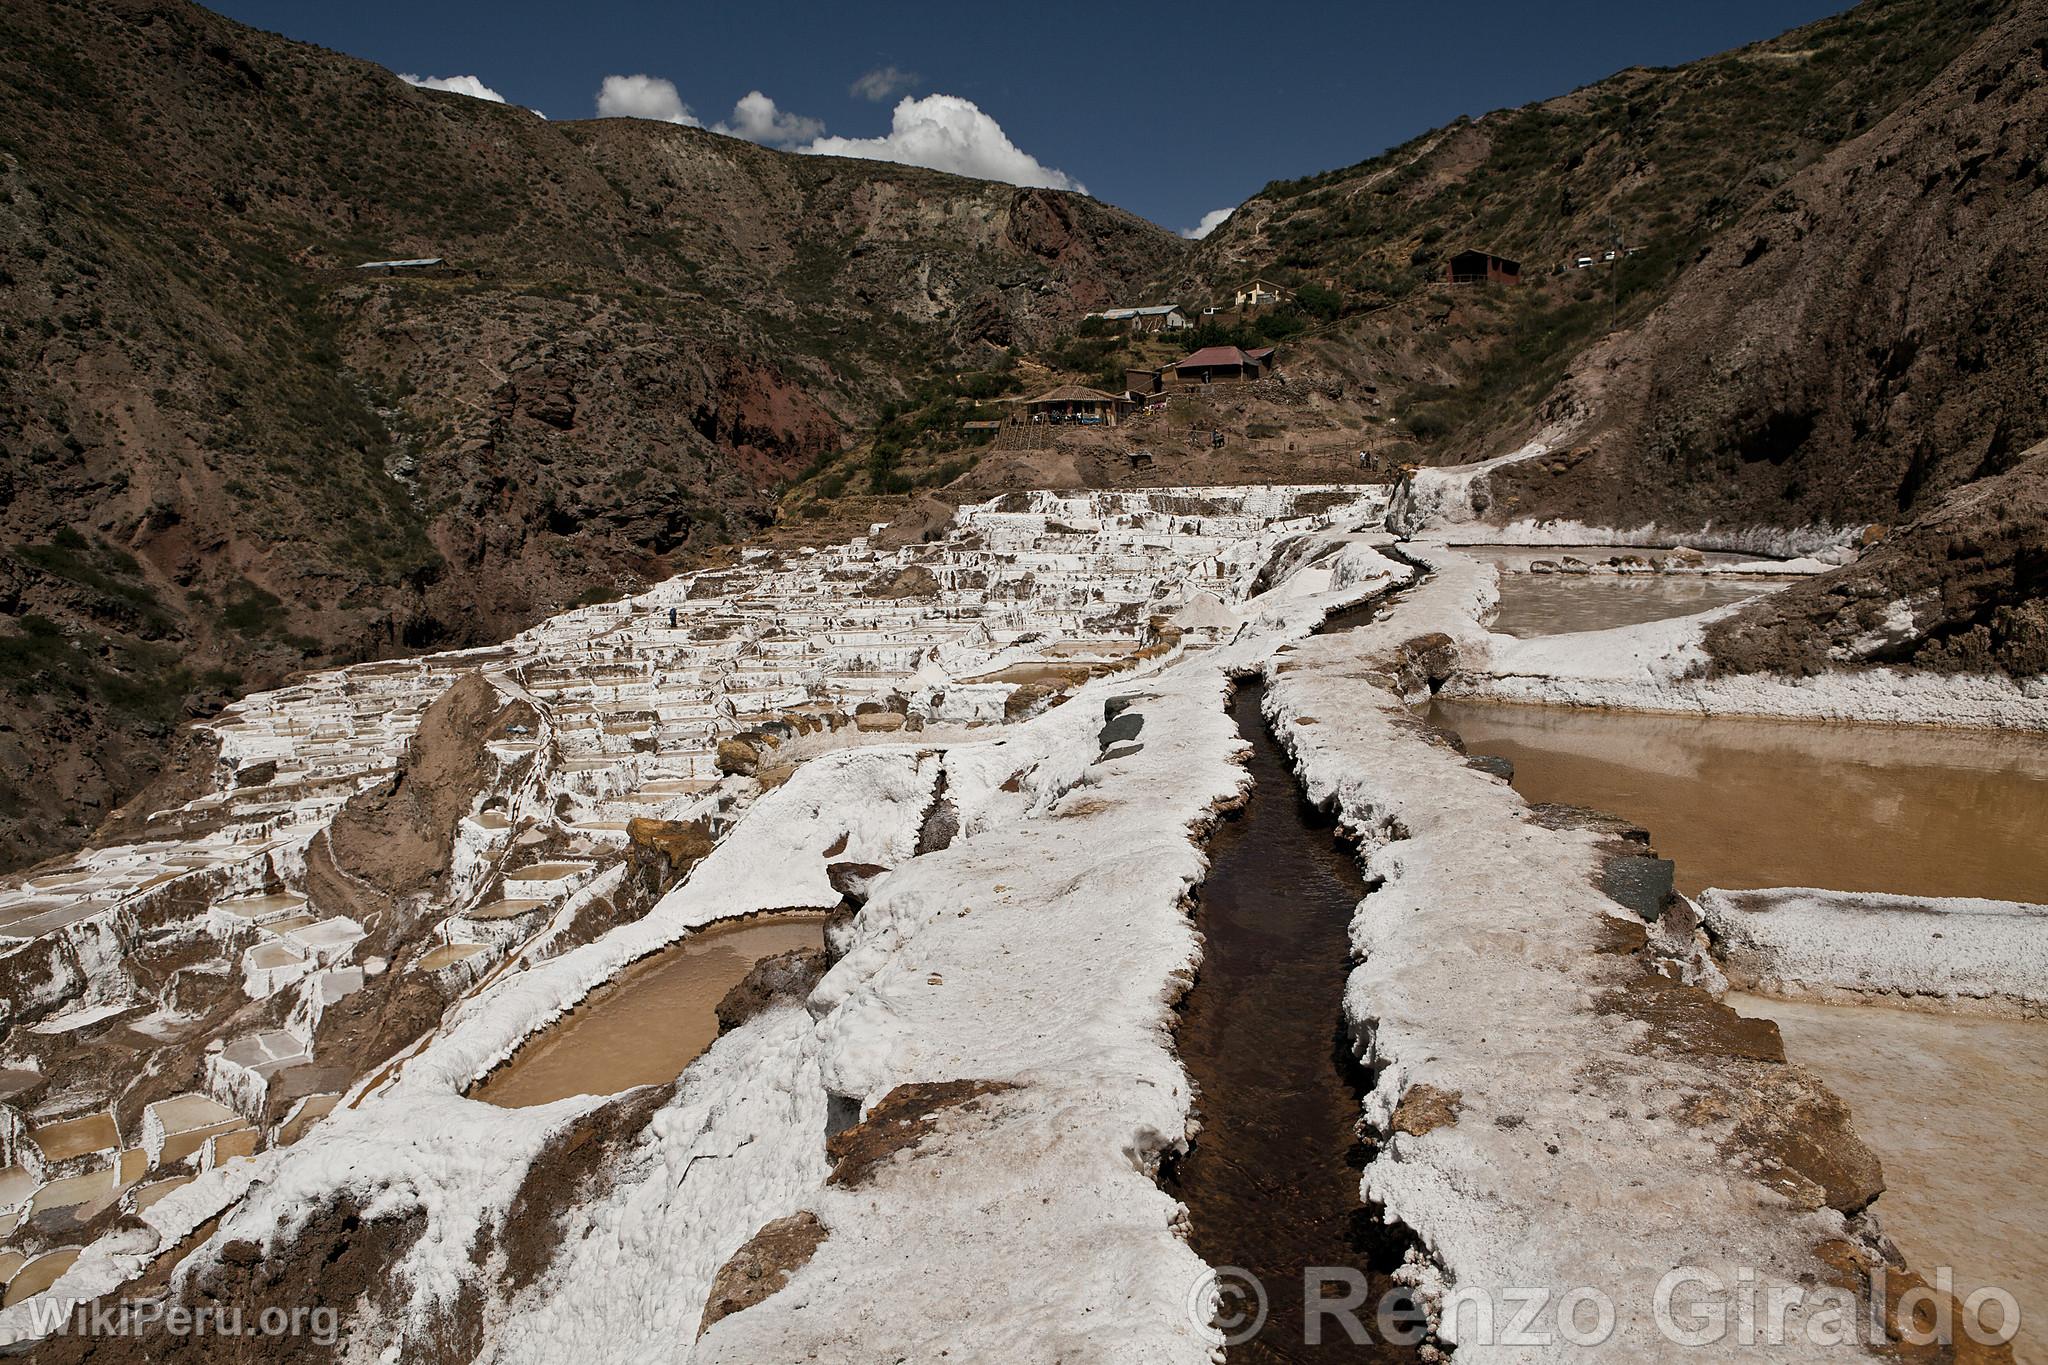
point(1159, 317)
point(393, 267)
point(1225, 364)
point(1073, 403)
point(1260, 294)
point(1482, 267)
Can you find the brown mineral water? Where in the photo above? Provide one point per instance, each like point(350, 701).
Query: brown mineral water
point(1272, 1181)
point(1743, 803)
point(656, 1019)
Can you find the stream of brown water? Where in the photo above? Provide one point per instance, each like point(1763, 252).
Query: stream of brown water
point(1272, 1181)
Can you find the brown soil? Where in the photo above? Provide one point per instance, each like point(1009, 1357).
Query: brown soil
point(905, 1117)
point(335, 1263)
point(762, 1266)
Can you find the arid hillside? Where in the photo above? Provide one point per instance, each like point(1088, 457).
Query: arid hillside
point(1866, 338)
point(1653, 164)
point(1826, 309)
point(227, 453)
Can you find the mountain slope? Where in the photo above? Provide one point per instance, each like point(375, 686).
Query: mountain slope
point(226, 453)
point(1836, 315)
point(1865, 339)
point(1660, 161)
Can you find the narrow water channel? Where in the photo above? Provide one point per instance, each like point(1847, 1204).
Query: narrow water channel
point(644, 1028)
point(1271, 1183)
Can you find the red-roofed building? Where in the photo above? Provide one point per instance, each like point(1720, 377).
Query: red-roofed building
point(1212, 364)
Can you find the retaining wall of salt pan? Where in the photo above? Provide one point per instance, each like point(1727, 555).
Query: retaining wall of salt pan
point(1929, 953)
point(1662, 666)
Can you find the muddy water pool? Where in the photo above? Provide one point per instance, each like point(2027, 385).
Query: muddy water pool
point(1742, 803)
point(644, 1028)
point(1952, 1106)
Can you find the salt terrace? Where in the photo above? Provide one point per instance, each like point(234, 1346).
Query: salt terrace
point(650, 708)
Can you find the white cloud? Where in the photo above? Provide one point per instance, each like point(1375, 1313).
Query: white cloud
point(882, 82)
point(757, 119)
point(643, 97)
point(461, 85)
point(1211, 220)
point(948, 133)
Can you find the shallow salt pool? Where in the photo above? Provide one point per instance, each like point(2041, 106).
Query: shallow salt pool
point(1561, 604)
point(1951, 1105)
point(644, 1028)
point(1742, 803)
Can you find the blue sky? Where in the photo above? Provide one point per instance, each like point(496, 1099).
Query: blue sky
point(1169, 110)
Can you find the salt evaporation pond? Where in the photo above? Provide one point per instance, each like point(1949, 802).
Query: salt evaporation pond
point(1951, 1105)
point(1561, 604)
point(656, 1019)
point(1742, 803)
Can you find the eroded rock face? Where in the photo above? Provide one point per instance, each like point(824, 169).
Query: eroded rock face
point(678, 843)
point(738, 757)
point(1963, 588)
point(781, 979)
point(1864, 339)
point(336, 1263)
point(393, 841)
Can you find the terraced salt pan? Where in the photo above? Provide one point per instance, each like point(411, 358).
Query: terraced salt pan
point(76, 1137)
point(147, 1197)
point(1954, 1107)
point(505, 909)
point(651, 1023)
point(39, 1274)
point(1479, 988)
point(449, 955)
point(545, 873)
point(364, 717)
point(173, 1129)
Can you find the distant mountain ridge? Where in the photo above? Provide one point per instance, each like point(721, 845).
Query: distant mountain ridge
point(225, 452)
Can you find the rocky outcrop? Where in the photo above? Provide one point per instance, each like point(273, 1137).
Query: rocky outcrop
point(1960, 589)
point(393, 841)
